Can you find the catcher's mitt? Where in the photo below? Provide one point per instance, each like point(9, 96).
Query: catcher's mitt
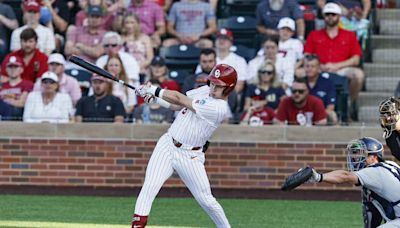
point(298, 178)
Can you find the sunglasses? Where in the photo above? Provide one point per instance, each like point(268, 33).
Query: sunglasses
point(13, 66)
point(48, 81)
point(266, 72)
point(330, 14)
point(110, 45)
point(300, 91)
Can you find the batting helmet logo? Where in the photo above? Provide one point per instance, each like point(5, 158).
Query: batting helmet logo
point(223, 75)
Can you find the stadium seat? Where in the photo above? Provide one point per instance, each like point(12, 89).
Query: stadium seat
point(342, 94)
point(237, 7)
point(181, 57)
point(178, 76)
point(243, 28)
point(83, 78)
point(245, 52)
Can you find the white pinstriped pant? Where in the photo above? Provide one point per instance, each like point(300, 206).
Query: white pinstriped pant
point(165, 159)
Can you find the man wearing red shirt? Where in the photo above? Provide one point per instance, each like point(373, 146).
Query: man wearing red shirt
point(15, 91)
point(35, 62)
point(339, 51)
point(301, 108)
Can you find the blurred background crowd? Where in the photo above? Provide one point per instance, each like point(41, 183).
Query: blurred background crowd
point(298, 62)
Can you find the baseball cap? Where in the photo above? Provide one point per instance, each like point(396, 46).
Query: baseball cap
point(95, 11)
point(14, 60)
point(32, 6)
point(332, 8)
point(287, 22)
point(97, 77)
point(158, 60)
point(225, 33)
point(49, 75)
point(56, 58)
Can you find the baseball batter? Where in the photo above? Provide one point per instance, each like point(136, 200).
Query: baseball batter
point(380, 181)
point(181, 148)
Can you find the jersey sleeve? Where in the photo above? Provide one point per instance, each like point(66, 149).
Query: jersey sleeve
point(212, 111)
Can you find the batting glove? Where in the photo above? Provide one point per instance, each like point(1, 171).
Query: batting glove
point(316, 177)
point(148, 88)
point(149, 99)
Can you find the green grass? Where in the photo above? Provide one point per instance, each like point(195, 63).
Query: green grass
point(59, 211)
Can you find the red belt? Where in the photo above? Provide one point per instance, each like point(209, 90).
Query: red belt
point(178, 144)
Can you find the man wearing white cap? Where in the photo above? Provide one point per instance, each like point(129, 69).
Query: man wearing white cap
point(288, 45)
point(339, 52)
point(68, 84)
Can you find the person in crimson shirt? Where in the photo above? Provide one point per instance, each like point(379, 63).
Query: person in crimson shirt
point(35, 62)
point(301, 108)
point(158, 71)
point(339, 52)
point(15, 91)
point(258, 113)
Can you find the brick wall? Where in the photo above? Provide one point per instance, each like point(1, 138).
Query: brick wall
point(122, 163)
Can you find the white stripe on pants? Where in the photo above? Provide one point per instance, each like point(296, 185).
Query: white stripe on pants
point(190, 167)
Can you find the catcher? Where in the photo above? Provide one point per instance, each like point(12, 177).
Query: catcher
point(389, 118)
point(380, 181)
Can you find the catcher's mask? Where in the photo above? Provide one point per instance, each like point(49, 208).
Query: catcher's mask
point(359, 149)
point(389, 114)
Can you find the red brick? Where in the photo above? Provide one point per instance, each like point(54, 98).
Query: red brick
point(38, 153)
point(229, 183)
point(57, 180)
point(304, 145)
point(133, 155)
point(315, 151)
point(257, 177)
point(11, 159)
point(39, 141)
point(295, 164)
point(106, 148)
point(58, 153)
point(257, 151)
point(133, 181)
point(68, 148)
point(133, 168)
point(266, 145)
point(324, 146)
point(86, 160)
point(29, 160)
point(257, 163)
point(133, 143)
point(285, 145)
point(10, 173)
point(19, 179)
point(30, 147)
point(11, 147)
point(114, 181)
point(104, 174)
point(141, 161)
point(247, 157)
point(114, 142)
point(144, 149)
point(2, 140)
point(305, 158)
point(87, 148)
point(278, 151)
point(124, 175)
point(219, 163)
point(105, 161)
point(212, 156)
point(39, 180)
point(276, 163)
point(334, 151)
point(77, 142)
point(48, 160)
point(57, 141)
point(4, 166)
point(150, 143)
point(114, 168)
point(229, 169)
point(238, 163)
point(66, 174)
point(324, 158)
point(47, 173)
point(96, 142)
point(225, 144)
point(38, 166)
point(125, 148)
point(95, 181)
point(266, 157)
point(86, 174)
point(286, 157)
point(239, 151)
point(114, 155)
point(4, 153)
point(19, 141)
point(95, 167)
point(57, 166)
point(218, 150)
point(67, 160)
point(4, 179)
point(212, 169)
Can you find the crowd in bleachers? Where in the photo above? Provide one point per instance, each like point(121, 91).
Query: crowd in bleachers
point(298, 62)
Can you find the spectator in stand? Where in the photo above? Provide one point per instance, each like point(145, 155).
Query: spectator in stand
point(287, 43)
point(164, 4)
point(86, 41)
point(16, 90)
point(284, 64)
point(153, 113)
point(46, 40)
point(112, 44)
point(191, 22)
point(257, 114)
point(109, 10)
point(351, 6)
point(301, 108)
point(159, 72)
point(321, 87)
point(339, 52)
point(35, 62)
point(269, 12)
point(102, 106)
point(208, 59)
point(151, 17)
point(8, 22)
point(223, 45)
point(67, 83)
point(137, 43)
point(266, 87)
point(60, 14)
point(48, 105)
point(116, 68)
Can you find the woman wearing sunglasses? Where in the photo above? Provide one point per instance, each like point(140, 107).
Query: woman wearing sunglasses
point(48, 105)
point(266, 86)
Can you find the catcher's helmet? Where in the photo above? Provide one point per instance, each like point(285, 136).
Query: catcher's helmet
point(359, 149)
point(389, 114)
point(223, 75)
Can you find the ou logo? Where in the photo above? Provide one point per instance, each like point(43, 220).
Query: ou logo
point(217, 73)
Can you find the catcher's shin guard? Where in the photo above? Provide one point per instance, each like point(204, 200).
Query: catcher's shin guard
point(372, 217)
point(139, 221)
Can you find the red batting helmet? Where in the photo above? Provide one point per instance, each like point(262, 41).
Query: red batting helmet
point(223, 75)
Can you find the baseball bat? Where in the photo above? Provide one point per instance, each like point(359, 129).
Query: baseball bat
point(98, 70)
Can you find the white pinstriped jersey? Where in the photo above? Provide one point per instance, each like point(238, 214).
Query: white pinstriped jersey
point(194, 129)
point(382, 182)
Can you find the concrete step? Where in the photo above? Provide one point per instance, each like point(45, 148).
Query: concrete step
point(386, 56)
point(372, 98)
point(387, 14)
point(368, 114)
point(389, 27)
point(383, 84)
point(385, 41)
point(373, 70)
